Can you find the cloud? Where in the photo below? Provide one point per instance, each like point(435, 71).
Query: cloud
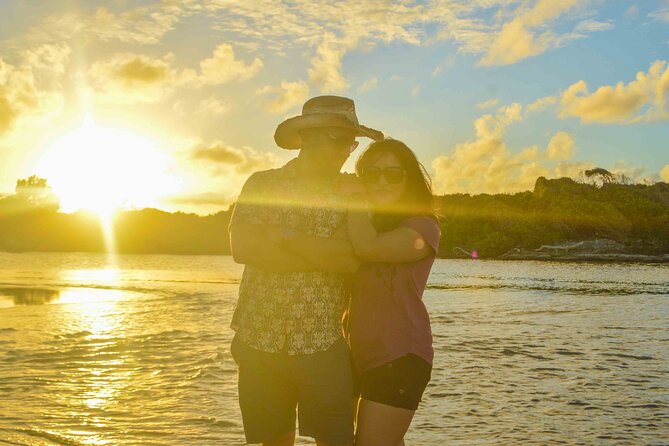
point(49, 58)
point(21, 97)
point(144, 25)
point(519, 38)
point(542, 104)
point(289, 95)
point(224, 160)
point(212, 106)
point(664, 173)
point(223, 67)
point(572, 169)
point(662, 13)
point(129, 77)
point(644, 99)
point(561, 146)
point(631, 171)
point(591, 26)
point(368, 85)
point(487, 165)
point(632, 12)
point(490, 103)
point(326, 70)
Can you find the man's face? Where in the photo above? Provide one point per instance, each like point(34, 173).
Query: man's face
point(332, 145)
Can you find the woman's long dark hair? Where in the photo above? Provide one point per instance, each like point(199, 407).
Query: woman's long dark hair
point(417, 199)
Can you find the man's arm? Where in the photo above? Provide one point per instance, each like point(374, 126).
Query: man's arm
point(250, 245)
point(333, 254)
point(248, 241)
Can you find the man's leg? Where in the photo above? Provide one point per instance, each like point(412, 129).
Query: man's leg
point(285, 440)
point(325, 396)
point(267, 396)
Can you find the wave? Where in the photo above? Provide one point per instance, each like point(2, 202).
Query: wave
point(559, 289)
point(31, 435)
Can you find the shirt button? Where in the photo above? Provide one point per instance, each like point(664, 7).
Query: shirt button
point(402, 391)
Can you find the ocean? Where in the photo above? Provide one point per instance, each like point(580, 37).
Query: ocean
point(134, 350)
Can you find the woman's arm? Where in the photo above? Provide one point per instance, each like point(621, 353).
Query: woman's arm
point(401, 245)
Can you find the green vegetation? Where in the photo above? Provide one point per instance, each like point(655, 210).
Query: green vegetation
point(557, 211)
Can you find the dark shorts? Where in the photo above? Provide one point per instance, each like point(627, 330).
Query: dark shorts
point(399, 383)
point(272, 385)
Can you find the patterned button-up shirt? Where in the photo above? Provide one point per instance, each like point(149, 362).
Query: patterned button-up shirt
point(290, 312)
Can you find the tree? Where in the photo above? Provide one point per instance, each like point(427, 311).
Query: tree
point(35, 192)
point(599, 176)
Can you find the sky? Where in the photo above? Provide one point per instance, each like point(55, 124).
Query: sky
point(173, 104)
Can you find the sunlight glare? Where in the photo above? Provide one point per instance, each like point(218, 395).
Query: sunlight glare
point(105, 169)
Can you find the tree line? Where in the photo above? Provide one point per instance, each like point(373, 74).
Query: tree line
point(556, 211)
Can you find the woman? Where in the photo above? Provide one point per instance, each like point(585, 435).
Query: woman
point(394, 231)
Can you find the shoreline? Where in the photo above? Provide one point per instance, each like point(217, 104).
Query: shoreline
point(584, 257)
point(547, 257)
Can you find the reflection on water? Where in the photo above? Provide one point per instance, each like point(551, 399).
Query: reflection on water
point(525, 353)
point(40, 296)
point(27, 296)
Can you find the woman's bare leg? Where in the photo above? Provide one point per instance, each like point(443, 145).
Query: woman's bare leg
point(381, 425)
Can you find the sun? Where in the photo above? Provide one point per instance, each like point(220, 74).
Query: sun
point(105, 169)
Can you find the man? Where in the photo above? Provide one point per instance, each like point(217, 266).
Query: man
point(288, 343)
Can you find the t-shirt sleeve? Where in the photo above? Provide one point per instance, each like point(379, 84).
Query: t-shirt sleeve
point(428, 228)
point(250, 207)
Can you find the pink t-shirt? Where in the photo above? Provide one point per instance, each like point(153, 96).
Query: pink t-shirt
point(387, 316)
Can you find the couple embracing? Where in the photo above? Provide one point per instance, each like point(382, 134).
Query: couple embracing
point(330, 323)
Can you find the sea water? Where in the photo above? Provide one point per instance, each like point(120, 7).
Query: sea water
point(134, 350)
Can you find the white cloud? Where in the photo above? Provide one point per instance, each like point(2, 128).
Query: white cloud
point(129, 78)
point(664, 173)
point(368, 85)
point(542, 104)
point(142, 25)
point(326, 66)
point(662, 13)
point(224, 160)
point(289, 95)
point(22, 98)
point(213, 106)
point(523, 36)
point(223, 67)
point(487, 165)
point(644, 99)
point(490, 103)
point(561, 146)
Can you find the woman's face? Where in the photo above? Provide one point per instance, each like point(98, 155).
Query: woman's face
point(385, 179)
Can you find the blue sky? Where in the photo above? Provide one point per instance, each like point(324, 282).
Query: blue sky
point(490, 94)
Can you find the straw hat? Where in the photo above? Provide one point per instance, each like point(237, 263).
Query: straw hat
point(322, 111)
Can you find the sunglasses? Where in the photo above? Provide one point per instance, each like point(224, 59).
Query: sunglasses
point(345, 142)
point(393, 175)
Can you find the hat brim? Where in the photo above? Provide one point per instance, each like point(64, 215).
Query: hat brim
point(287, 135)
